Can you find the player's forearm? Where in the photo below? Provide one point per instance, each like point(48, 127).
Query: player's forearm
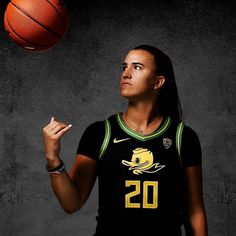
point(66, 193)
point(198, 224)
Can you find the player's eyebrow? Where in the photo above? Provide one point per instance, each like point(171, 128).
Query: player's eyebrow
point(133, 63)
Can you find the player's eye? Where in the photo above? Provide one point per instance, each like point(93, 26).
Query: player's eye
point(124, 67)
point(137, 67)
point(137, 160)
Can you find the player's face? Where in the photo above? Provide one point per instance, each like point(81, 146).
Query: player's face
point(138, 75)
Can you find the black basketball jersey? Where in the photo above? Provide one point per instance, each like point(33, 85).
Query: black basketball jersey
point(140, 177)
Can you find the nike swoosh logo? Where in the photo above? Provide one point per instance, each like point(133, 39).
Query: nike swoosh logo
point(120, 140)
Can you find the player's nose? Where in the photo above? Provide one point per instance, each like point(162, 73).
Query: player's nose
point(126, 74)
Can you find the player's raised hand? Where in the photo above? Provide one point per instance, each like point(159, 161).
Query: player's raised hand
point(52, 134)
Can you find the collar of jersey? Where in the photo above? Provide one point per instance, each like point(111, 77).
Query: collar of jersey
point(161, 129)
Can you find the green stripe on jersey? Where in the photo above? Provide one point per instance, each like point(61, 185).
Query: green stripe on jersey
point(106, 138)
point(137, 135)
point(179, 139)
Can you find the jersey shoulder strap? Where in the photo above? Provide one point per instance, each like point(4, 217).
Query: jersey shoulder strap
point(178, 139)
point(106, 139)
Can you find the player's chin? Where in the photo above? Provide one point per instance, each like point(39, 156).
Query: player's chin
point(129, 96)
point(125, 93)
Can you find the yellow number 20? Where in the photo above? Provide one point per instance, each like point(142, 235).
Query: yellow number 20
point(137, 191)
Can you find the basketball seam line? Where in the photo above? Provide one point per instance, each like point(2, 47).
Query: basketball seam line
point(59, 13)
point(33, 44)
point(51, 31)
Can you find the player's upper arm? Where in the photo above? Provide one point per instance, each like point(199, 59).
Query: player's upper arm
point(191, 153)
point(83, 175)
point(84, 170)
point(91, 140)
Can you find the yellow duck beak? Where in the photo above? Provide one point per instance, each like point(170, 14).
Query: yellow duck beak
point(134, 165)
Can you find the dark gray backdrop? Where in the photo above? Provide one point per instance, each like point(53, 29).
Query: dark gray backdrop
point(77, 82)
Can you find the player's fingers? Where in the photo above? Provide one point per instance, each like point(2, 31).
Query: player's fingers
point(55, 125)
point(63, 131)
point(56, 129)
point(52, 119)
point(49, 125)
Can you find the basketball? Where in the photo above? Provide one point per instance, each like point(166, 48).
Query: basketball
point(36, 25)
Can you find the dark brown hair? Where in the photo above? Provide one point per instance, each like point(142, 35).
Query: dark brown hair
point(168, 98)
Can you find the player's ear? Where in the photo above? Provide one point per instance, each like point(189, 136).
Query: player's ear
point(159, 81)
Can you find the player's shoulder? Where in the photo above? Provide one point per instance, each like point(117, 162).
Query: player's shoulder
point(189, 133)
point(185, 130)
point(96, 125)
point(189, 130)
point(113, 116)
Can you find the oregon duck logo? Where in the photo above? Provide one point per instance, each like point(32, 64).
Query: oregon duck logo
point(142, 161)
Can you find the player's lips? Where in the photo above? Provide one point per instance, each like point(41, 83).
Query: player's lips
point(125, 83)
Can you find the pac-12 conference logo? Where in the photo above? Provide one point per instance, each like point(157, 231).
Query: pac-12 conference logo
point(142, 161)
point(167, 142)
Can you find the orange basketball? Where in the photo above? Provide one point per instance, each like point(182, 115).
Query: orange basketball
point(36, 24)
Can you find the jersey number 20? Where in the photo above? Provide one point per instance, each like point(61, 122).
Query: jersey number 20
point(137, 191)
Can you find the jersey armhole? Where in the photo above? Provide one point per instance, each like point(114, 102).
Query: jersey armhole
point(178, 139)
point(106, 138)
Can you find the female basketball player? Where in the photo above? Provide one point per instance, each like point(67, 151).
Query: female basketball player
point(148, 163)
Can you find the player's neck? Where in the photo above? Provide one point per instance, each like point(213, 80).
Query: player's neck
point(142, 114)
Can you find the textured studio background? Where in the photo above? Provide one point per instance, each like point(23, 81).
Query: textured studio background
point(77, 82)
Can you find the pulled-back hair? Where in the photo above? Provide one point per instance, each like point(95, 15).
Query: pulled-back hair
point(168, 98)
